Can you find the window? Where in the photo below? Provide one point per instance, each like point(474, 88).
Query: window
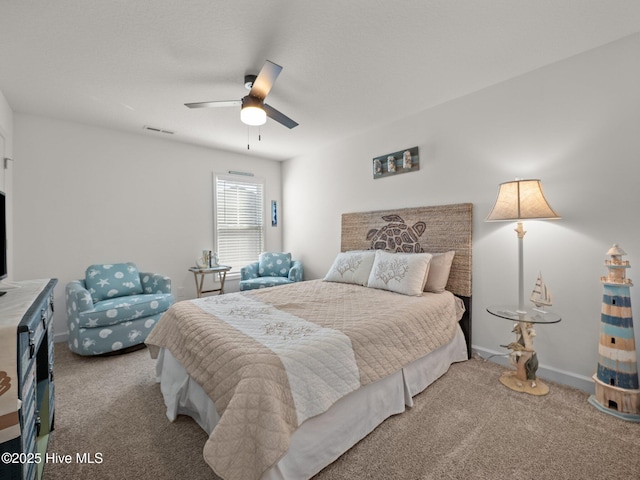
point(239, 226)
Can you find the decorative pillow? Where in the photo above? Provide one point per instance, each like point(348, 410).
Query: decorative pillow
point(112, 280)
point(439, 269)
point(404, 273)
point(352, 267)
point(273, 264)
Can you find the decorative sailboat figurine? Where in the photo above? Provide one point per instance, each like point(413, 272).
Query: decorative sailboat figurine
point(541, 296)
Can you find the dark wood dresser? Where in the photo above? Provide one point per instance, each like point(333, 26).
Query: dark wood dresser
point(26, 371)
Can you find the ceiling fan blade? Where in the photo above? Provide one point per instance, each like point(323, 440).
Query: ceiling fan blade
point(225, 103)
point(265, 80)
point(279, 117)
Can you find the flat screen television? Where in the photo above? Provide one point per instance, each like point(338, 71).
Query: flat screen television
point(3, 236)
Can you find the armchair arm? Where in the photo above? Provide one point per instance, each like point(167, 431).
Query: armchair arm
point(78, 298)
point(155, 283)
point(249, 271)
point(296, 272)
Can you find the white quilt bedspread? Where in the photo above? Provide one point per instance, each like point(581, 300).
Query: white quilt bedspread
point(319, 362)
point(270, 359)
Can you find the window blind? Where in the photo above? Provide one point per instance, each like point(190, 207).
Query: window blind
point(239, 211)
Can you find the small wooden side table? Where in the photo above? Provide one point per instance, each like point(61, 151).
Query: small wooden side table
point(221, 270)
point(523, 379)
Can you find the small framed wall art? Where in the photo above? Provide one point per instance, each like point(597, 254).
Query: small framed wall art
point(402, 161)
point(274, 213)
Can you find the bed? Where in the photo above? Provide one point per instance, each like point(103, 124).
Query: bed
point(286, 379)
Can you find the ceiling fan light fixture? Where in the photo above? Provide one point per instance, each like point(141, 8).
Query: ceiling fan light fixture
point(252, 112)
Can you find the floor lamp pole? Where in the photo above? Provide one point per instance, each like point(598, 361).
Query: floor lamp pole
point(521, 232)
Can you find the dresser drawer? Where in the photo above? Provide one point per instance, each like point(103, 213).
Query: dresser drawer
point(28, 342)
point(28, 412)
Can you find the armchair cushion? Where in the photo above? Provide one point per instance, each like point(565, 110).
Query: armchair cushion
point(124, 309)
point(106, 281)
point(263, 282)
point(274, 264)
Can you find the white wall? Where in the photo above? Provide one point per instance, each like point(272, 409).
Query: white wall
point(574, 124)
point(87, 195)
point(6, 175)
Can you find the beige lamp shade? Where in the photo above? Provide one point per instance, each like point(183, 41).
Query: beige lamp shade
point(521, 200)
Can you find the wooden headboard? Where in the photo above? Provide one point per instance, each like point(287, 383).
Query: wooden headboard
point(434, 229)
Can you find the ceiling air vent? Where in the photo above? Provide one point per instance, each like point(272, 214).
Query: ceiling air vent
point(158, 130)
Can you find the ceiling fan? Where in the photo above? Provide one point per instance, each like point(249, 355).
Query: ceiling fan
point(254, 111)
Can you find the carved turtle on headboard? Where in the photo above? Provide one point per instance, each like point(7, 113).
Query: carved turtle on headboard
point(397, 236)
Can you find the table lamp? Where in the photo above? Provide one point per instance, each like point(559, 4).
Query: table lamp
point(521, 200)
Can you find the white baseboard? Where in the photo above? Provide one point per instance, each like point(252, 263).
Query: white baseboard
point(563, 377)
point(60, 337)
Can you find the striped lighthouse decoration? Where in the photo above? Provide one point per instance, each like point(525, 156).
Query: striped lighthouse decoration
point(617, 387)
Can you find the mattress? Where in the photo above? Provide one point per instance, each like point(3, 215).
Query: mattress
point(323, 438)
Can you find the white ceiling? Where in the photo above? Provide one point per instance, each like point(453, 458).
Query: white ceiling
point(348, 65)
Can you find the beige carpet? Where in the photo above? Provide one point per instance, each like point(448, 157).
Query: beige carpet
point(465, 426)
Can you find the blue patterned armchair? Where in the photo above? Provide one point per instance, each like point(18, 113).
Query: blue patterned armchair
point(114, 307)
point(271, 269)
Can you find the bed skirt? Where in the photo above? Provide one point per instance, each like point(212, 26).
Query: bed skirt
point(322, 439)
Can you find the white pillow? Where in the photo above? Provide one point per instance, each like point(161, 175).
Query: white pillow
point(439, 269)
point(351, 267)
point(404, 273)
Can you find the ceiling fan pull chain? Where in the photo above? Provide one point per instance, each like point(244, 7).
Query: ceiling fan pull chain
point(259, 134)
point(248, 140)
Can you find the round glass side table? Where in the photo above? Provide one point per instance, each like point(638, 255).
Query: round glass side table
point(523, 356)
